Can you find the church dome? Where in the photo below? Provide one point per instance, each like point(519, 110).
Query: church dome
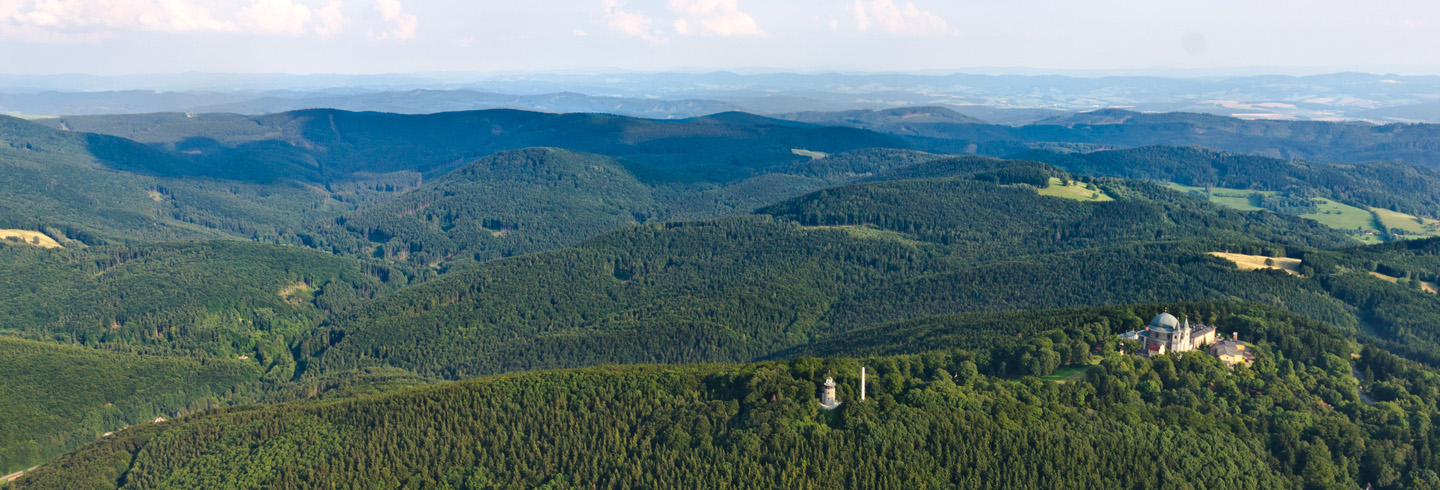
point(1165, 320)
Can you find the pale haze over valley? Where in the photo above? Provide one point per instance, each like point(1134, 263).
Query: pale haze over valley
point(259, 56)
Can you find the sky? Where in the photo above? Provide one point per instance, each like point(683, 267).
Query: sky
point(118, 37)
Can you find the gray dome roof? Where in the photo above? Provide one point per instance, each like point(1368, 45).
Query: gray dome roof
point(1165, 320)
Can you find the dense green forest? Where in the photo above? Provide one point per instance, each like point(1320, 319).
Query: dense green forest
point(290, 285)
point(328, 145)
point(522, 201)
point(55, 398)
point(741, 288)
point(947, 417)
point(224, 298)
point(811, 272)
point(360, 199)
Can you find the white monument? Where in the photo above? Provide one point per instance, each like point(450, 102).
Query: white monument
point(827, 397)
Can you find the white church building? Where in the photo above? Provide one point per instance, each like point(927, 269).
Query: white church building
point(1167, 334)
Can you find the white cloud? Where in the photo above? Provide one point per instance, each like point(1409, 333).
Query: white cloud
point(629, 23)
point(329, 19)
point(713, 17)
point(899, 20)
point(402, 25)
point(98, 19)
point(276, 17)
point(150, 15)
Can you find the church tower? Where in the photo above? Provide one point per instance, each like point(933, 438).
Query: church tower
point(1182, 341)
point(827, 396)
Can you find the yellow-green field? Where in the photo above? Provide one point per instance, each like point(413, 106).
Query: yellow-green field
point(1343, 216)
point(1412, 224)
point(298, 293)
point(1255, 262)
point(1230, 198)
point(1359, 223)
point(30, 237)
point(807, 153)
point(1428, 287)
point(34, 116)
point(1075, 190)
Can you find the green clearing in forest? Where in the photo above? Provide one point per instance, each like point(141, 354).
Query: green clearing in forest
point(872, 233)
point(815, 155)
point(1359, 223)
point(1074, 190)
point(1231, 198)
point(1343, 216)
point(1065, 373)
point(1411, 224)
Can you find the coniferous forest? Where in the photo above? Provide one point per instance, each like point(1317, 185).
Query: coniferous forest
point(513, 300)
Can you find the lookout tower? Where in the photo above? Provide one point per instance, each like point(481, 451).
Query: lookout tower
point(827, 397)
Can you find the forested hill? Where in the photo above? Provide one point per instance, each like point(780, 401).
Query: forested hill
point(536, 199)
point(94, 339)
point(886, 118)
point(85, 189)
point(941, 419)
point(1350, 142)
point(56, 398)
point(507, 204)
point(328, 145)
point(1396, 186)
point(742, 288)
point(223, 298)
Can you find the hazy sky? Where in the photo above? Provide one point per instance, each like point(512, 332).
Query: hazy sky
point(394, 36)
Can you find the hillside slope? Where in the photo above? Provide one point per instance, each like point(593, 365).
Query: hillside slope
point(56, 398)
point(940, 419)
point(328, 145)
point(1407, 188)
point(741, 288)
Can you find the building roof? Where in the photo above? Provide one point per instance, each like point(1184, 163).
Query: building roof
point(1231, 348)
point(1165, 321)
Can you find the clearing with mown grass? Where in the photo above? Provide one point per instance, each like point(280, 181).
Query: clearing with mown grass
point(29, 237)
point(1343, 216)
point(1074, 190)
point(1257, 262)
point(1428, 287)
point(814, 155)
point(1230, 198)
point(870, 233)
point(1411, 224)
point(1361, 224)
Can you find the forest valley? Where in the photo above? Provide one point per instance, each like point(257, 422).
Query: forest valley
point(504, 299)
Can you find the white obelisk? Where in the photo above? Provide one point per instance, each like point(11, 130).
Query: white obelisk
point(862, 383)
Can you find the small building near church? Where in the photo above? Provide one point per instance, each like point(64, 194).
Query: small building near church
point(1233, 353)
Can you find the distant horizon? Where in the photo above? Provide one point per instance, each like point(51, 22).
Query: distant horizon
point(459, 80)
point(1027, 71)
